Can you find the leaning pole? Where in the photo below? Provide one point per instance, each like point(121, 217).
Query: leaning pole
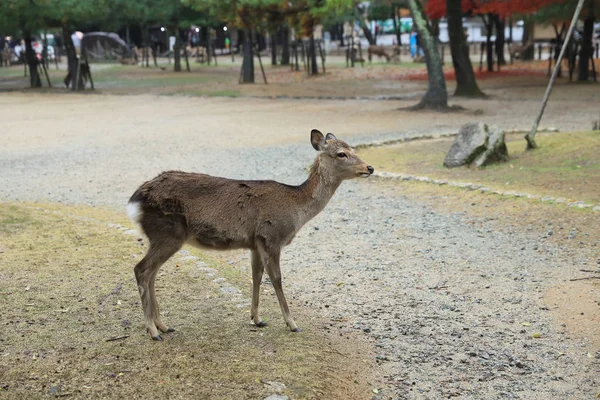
point(530, 137)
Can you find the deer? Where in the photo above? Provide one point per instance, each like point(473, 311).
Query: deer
point(210, 212)
point(379, 51)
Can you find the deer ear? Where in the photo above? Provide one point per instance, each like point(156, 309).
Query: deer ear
point(317, 139)
point(330, 136)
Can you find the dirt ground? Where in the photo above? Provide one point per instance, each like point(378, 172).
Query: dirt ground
point(451, 294)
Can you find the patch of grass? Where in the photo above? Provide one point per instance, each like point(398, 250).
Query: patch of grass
point(67, 285)
point(565, 165)
point(14, 71)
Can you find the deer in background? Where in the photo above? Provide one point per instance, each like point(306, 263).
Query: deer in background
point(219, 213)
point(379, 51)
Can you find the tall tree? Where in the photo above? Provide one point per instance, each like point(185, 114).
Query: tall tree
point(466, 85)
point(24, 17)
point(500, 24)
point(586, 50)
point(436, 97)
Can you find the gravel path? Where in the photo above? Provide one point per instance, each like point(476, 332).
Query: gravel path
point(451, 304)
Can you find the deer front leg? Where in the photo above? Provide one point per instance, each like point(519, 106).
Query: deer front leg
point(257, 273)
point(271, 262)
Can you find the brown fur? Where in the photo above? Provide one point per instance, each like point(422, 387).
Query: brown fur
point(219, 213)
point(6, 56)
point(379, 51)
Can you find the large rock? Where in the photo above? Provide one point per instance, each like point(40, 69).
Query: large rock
point(477, 144)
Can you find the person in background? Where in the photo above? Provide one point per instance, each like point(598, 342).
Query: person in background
point(413, 43)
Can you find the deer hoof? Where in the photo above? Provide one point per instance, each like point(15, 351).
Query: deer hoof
point(296, 329)
point(262, 324)
point(168, 330)
point(158, 338)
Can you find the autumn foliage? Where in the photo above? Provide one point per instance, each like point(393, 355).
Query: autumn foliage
point(504, 8)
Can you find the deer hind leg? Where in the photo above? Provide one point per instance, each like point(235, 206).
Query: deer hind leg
point(166, 235)
point(155, 309)
point(257, 273)
point(145, 275)
point(270, 260)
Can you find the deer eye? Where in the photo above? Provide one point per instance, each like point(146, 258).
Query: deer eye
point(342, 155)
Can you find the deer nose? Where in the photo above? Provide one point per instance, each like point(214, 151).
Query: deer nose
point(371, 169)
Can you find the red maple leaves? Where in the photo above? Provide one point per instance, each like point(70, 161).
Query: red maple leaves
point(504, 8)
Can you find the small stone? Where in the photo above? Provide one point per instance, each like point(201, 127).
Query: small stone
point(54, 390)
point(367, 330)
point(229, 289)
point(277, 397)
point(275, 386)
point(550, 232)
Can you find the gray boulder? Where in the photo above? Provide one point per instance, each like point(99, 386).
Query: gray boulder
point(477, 144)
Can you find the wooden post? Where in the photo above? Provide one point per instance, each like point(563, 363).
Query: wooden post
point(530, 137)
point(481, 57)
point(78, 74)
point(89, 72)
point(352, 51)
point(323, 56)
point(362, 61)
point(214, 50)
point(261, 64)
point(50, 84)
point(550, 50)
point(187, 63)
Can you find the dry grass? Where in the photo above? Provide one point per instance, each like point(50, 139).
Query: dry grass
point(566, 164)
point(66, 286)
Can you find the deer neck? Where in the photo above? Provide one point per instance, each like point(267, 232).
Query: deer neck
point(317, 190)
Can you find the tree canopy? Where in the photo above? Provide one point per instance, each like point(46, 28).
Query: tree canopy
point(503, 8)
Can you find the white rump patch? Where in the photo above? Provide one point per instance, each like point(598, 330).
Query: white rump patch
point(134, 211)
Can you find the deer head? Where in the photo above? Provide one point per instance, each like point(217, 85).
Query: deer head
point(338, 158)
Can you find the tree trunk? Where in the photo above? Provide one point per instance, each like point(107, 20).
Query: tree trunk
point(285, 49)
point(248, 62)
point(586, 51)
point(366, 29)
point(436, 97)
point(489, 50)
point(314, 66)
point(396, 27)
point(273, 35)
point(528, 37)
point(127, 37)
point(177, 52)
point(500, 40)
point(208, 46)
point(466, 85)
point(341, 31)
point(71, 78)
point(32, 62)
point(145, 55)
